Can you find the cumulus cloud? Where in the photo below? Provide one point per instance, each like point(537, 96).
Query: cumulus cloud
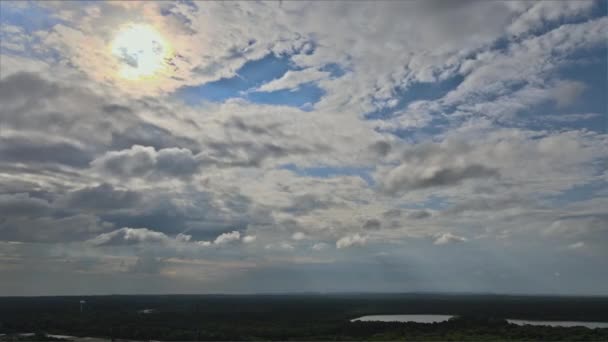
point(226, 238)
point(447, 238)
point(183, 237)
point(143, 161)
point(133, 236)
point(249, 238)
point(411, 129)
point(298, 236)
point(351, 241)
point(130, 236)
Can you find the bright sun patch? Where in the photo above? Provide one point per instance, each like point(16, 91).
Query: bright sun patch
point(141, 50)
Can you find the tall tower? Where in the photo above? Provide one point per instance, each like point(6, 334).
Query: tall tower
point(82, 303)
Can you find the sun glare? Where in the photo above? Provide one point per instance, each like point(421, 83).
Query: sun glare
point(141, 51)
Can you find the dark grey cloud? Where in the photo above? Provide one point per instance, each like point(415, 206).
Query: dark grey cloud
point(372, 224)
point(161, 215)
point(204, 215)
point(303, 204)
point(85, 212)
point(146, 134)
point(381, 148)
point(144, 161)
point(178, 17)
point(240, 124)
point(31, 219)
point(113, 108)
point(129, 59)
point(430, 165)
point(453, 176)
point(32, 103)
point(410, 214)
point(83, 159)
point(436, 177)
point(101, 198)
point(21, 85)
point(176, 162)
point(441, 5)
point(251, 154)
point(52, 228)
point(392, 213)
point(433, 152)
point(21, 149)
point(396, 218)
point(418, 214)
point(61, 118)
point(21, 204)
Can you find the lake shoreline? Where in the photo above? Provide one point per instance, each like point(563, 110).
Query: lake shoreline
point(433, 318)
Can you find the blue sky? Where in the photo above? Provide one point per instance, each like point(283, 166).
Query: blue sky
point(297, 146)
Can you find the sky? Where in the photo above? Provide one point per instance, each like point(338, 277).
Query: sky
point(291, 146)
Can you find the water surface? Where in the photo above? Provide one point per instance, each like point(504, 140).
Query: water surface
point(591, 325)
point(443, 318)
point(404, 318)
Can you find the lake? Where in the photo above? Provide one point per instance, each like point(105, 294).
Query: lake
point(404, 318)
point(443, 318)
point(591, 325)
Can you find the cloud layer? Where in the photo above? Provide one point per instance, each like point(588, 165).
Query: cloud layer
point(296, 146)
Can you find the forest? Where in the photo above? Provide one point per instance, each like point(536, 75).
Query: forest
point(298, 317)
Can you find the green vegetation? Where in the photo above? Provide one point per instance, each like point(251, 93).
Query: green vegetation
point(301, 317)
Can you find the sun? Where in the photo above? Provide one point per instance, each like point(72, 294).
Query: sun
point(141, 51)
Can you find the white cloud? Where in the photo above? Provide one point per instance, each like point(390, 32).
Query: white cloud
point(183, 237)
point(280, 246)
point(544, 12)
point(77, 141)
point(446, 238)
point(577, 245)
point(249, 238)
point(351, 241)
point(292, 79)
point(227, 238)
point(298, 236)
point(319, 246)
point(128, 236)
